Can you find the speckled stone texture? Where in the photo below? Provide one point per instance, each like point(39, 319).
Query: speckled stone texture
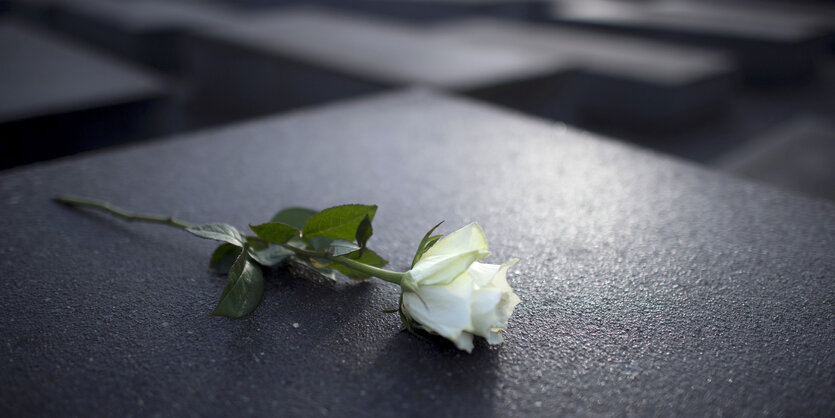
point(648, 286)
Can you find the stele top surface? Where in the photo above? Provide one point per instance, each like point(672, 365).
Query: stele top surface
point(648, 286)
point(42, 74)
point(382, 50)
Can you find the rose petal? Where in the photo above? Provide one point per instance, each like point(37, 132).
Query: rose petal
point(464, 342)
point(448, 293)
point(499, 280)
point(442, 268)
point(486, 312)
point(493, 303)
point(483, 274)
point(467, 239)
point(443, 309)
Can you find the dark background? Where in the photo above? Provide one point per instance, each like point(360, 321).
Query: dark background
point(778, 86)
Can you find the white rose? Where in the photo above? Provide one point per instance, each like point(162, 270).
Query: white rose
point(450, 294)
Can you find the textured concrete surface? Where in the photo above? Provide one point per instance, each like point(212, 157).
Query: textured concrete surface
point(648, 286)
point(799, 155)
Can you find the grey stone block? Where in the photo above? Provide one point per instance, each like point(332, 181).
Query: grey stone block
point(423, 11)
point(300, 56)
point(145, 31)
point(769, 47)
point(798, 156)
point(37, 10)
point(619, 79)
point(648, 286)
point(438, 10)
point(57, 97)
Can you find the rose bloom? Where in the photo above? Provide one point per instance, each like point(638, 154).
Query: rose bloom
point(450, 294)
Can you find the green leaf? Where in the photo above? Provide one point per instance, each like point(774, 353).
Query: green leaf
point(275, 232)
point(256, 244)
point(368, 257)
point(341, 247)
point(244, 289)
point(338, 222)
point(223, 258)
point(297, 242)
point(220, 232)
point(270, 256)
point(319, 243)
point(364, 231)
point(426, 243)
point(295, 217)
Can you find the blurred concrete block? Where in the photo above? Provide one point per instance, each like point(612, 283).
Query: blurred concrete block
point(58, 98)
point(144, 31)
point(620, 79)
point(435, 10)
point(771, 46)
point(296, 57)
point(424, 10)
point(37, 10)
point(799, 156)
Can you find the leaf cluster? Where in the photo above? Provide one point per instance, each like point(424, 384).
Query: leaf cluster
point(301, 235)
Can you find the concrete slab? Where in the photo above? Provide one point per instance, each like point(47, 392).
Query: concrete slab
point(620, 78)
point(768, 47)
point(55, 95)
point(762, 13)
point(648, 286)
point(37, 10)
point(144, 31)
point(798, 156)
point(302, 56)
point(439, 10)
point(423, 11)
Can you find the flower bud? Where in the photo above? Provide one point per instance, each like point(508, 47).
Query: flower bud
point(450, 294)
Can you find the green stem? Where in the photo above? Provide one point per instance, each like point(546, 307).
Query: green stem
point(121, 213)
point(387, 275)
point(383, 274)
